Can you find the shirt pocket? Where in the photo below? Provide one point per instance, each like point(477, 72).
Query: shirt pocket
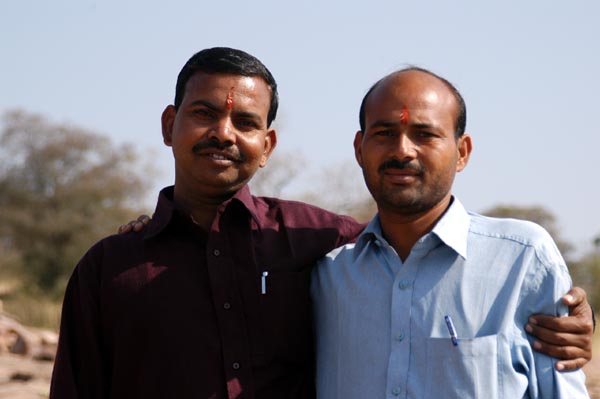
point(467, 370)
point(286, 317)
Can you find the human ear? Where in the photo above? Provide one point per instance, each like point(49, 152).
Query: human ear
point(357, 147)
point(270, 144)
point(167, 120)
point(465, 146)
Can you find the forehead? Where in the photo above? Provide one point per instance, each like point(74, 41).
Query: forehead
point(247, 91)
point(425, 96)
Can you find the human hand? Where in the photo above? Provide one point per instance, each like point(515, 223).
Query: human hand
point(566, 338)
point(135, 225)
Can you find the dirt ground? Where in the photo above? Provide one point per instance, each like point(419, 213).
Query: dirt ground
point(23, 378)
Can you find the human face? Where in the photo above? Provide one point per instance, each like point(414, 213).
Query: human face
point(408, 152)
point(219, 134)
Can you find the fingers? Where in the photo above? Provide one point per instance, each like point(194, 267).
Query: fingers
point(568, 365)
point(564, 353)
point(135, 225)
point(125, 228)
point(570, 357)
point(562, 338)
point(569, 324)
point(575, 297)
point(138, 226)
point(559, 337)
point(579, 321)
point(141, 223)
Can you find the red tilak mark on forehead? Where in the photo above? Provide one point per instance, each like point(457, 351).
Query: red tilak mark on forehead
point(404, 116)
point(229, 99)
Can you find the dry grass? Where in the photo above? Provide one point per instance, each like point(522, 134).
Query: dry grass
point(31, 311)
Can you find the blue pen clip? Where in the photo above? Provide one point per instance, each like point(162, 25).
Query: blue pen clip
point(451, 330)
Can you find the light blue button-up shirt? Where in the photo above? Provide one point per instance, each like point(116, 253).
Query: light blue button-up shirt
point(380, 325)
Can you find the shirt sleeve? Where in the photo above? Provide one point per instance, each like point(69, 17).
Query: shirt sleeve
point(549, 280)
point(79, 368)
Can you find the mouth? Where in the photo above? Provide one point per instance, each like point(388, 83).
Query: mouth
point(400, 176)
point(401, 173)
point(220, 154)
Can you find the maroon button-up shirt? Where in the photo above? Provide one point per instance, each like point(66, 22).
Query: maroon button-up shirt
point(175, 312)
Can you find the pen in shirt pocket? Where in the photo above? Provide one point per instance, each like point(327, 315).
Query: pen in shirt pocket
point(451, 330)
point(263, 282)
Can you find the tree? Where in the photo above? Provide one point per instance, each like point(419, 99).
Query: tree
point(340, 188)
point(61, 188)
point(281, 170)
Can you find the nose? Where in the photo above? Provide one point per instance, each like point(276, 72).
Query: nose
point(223, 131)
point(405, 149)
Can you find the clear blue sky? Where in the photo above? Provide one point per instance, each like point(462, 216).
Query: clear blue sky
point(527, 69)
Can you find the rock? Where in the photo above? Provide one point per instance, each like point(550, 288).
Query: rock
point(18, 339)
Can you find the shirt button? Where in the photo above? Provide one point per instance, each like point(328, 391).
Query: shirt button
point(400, 337)
point(396, 391)
point(236, 366)
point(404, 284)
point(226, 306)
point(216, 252)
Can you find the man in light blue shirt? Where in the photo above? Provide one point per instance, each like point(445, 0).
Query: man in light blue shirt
point(432, 301)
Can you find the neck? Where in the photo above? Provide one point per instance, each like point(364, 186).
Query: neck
point(200, 206)
point(403, 230)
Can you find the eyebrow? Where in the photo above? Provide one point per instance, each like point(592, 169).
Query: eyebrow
point(216, 108)
point(424, 126)
point(205, 103)
point(377, 124)
point(386, 124)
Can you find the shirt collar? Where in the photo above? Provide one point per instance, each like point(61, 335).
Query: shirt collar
point(452, 229)
point(245, 198)
point(166, 209)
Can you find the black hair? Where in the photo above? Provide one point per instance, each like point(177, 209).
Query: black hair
point(461, 120)
point(225, 60)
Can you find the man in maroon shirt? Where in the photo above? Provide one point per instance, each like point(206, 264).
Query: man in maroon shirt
point(211, 299)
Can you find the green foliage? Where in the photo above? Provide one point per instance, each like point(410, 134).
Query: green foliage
point(61, 189)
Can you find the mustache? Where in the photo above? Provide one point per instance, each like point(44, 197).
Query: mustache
point(229, 149)
point(396, 164)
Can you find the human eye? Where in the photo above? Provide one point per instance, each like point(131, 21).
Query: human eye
point(425, 134)
point(247, 124)
point(201, 111)
point(383, 133)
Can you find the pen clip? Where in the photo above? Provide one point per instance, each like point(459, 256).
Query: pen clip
point(263, 282)
point(451, 330)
